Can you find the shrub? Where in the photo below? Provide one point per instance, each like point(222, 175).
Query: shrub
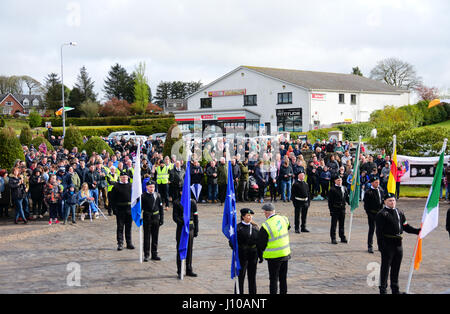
point(2, 123)
point(73, 138)
point(38, 140)
point(25, 136)
point(352, 132)
point(96, 144)
point(173, 135)
point(34, 119)
point(422, 141)
point(10, 150)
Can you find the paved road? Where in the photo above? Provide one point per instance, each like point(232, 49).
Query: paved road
point(34, 257)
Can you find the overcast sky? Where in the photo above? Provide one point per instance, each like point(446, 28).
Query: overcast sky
point(202, 40)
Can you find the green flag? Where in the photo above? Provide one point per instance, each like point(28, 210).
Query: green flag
point(356, 184)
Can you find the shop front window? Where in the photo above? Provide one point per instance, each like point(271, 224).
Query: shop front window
point(289, 120)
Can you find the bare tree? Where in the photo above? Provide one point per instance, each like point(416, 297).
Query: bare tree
point(32, 84)
point(396, 73)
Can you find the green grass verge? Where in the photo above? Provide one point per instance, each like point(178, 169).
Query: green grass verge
point(415, 191)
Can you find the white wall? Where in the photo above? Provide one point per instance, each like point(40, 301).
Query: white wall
point(331, 111)
point(265, 88)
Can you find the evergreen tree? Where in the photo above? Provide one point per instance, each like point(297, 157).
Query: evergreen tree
point(85, 85)
point(52, 96)
point(357, 71)
point(75, 100)
point(162, 93)
point(119, 84)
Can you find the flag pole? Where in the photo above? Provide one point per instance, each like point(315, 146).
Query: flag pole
point(141, 244)
point(411, 269)
point(351, 215)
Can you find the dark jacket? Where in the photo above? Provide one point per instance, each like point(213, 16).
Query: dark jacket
point(261, 177)
point(177, 216)
point(70, 199)
point(244, 172)
point(121, 198)
point(92, 177)
point(82, 173)
point(152, 207)
point(17, 189)
point(196, 174)
point(176, 177)
point(337, 199)
point(390, 224)
point(209, 173)
point(37, 188)
point(222, 174)
point(286, 173)
point(373, 201)
point(300, 189)
point(247, 237)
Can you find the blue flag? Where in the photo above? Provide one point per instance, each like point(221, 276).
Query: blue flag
point(186, 203)
point(136, 191)
point(229, 222)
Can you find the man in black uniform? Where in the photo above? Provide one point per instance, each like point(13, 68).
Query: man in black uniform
point(247, 236)
point(153, 219)
point(301, 201)
point(121, 204)
point(390, 224)
point(193, 232)
point(337, 197)
point(373, 203)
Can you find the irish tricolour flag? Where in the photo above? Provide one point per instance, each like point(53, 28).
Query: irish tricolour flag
point(431, 212)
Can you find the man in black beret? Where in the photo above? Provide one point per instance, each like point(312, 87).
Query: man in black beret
point(153, 218)
point(373, 203)
point(337, 197)
point(390, 224)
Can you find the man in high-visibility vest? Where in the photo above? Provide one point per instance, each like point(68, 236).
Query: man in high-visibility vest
point(273, 241)
point(162, 179)
point(111, 178)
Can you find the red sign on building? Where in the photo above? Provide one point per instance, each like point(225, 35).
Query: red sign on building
point(318, 96)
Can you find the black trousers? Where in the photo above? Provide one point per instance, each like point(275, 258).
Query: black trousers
point(37, 206)
point(243, 191)
point(222, 192)
point(189, 249)
point(300, 208)
point(338, 217)
point(261, 189)
point(124, 220)
point(278, 273)
point(248, 259)
point(371, 221)
point(391, 259)
point(151, 233)
point(325, 188)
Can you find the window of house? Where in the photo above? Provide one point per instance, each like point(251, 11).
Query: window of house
point(341, 99)
point(284, 98)
point(35, 102)
point(250, 100)
point(9, 103)
point(353, 99)
point(26, 102)
point(205, 103)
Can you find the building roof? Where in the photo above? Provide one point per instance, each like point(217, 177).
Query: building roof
point(327, 81)
point(21, 98)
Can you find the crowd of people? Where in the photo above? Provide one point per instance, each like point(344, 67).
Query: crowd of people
point(66, 183)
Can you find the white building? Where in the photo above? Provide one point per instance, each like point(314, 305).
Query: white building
point(270, 100)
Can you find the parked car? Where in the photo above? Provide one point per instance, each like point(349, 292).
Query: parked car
point(162, 136)
point(120, 134)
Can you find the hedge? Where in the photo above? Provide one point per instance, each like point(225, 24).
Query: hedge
point(113, 120)
point(154, 126)
point(25, 135)
point(10, 149)
point(96, 144)
point(38, 140)
point(352, 132)
point(73, 138)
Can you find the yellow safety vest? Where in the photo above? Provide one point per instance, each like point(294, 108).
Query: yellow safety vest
point(278, 244)
point(162, 175)
point(114, 178)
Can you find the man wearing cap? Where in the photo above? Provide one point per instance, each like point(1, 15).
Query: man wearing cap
point(153, 219)
point(178, 218)
point(273, 241)
point(247, 236)
point(337, 197)
point(121, 206)
point(373, 203)
point(390, 224)
point(301, 201)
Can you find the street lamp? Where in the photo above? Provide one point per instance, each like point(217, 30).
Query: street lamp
point(72, 43)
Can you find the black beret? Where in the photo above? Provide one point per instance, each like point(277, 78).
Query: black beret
point(150, 182)
point(374, 178)
point(389, 195)
point(245, 211)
